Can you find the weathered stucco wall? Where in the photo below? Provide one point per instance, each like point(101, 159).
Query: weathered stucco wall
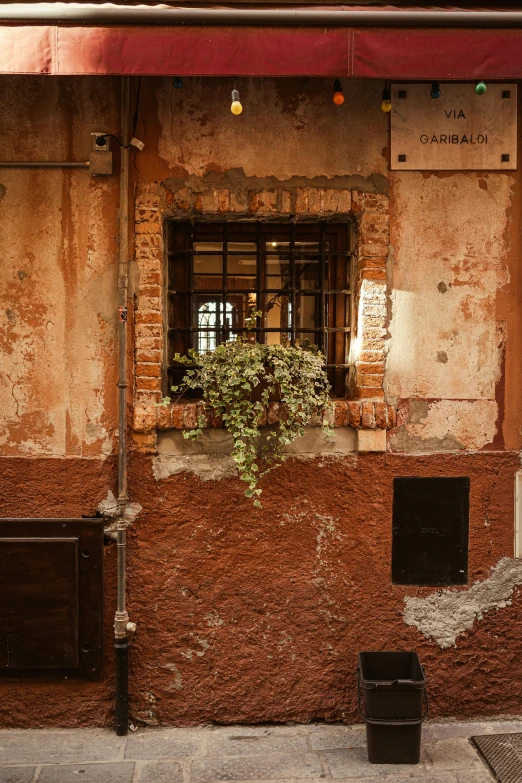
point(58, 238)
point(258, 615)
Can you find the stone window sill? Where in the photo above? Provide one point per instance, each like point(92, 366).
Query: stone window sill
point(359, 414)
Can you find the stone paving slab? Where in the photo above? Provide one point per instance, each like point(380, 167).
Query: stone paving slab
point(330, 737)
point(158, 772)
point(349, 764)
point(267, 767)
point(122, 772)
point(17, 774)
point(232, 743)
point(453, 754)
point(475, 775)
point(166, 743)
point(453, 729)
point(44, 746)
point(239, 754)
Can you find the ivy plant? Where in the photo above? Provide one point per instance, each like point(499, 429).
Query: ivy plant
point(228, 377)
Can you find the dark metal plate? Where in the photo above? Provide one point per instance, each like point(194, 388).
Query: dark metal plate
point(503, 755)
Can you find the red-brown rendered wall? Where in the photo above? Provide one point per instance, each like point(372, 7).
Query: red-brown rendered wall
point(258, 615)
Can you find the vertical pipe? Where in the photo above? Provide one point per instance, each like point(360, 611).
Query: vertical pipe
point(121, 618)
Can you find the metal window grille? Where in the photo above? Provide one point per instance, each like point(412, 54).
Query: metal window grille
point(297, 274)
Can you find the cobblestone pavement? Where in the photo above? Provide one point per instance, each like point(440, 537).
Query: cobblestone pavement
point(237, 753)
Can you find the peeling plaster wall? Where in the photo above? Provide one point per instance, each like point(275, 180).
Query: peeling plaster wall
point(58, 239)
point(258, 615)
point(448, 336)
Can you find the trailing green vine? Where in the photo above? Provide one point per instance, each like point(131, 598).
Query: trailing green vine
point(228, 377)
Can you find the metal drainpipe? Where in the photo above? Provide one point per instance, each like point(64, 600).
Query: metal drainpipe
point(121, 618)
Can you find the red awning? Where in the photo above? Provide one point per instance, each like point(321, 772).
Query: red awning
point(371, 52)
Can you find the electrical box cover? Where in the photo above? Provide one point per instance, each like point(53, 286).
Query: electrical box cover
point(51, 596)
point(430, 530)
point(100, 163)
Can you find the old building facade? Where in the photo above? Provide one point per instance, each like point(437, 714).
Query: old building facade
point(243, 614)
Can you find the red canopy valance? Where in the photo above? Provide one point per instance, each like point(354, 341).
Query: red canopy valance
point(384, 53)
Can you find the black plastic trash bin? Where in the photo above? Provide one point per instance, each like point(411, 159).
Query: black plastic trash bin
point(393, 686)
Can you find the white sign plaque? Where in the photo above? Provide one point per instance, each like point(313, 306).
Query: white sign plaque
point(458, 131)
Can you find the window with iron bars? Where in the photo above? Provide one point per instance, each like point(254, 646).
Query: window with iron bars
point(297, 274)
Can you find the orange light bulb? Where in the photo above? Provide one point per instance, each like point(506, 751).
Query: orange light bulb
point(338, 97)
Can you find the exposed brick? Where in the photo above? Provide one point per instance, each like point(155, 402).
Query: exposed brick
point(368, 392)
point(314, 201)
point(150, 276)
point(371, 356)
point(301, 200)
point(148, 384)
point(190, 418)
point(329, 200)
point(147, 228)
point(148, 370)
point(164, 417)
point(372, 333)
point(182, 199)
point(367, 415)
point(375, 201)
point(152, 291)
point(344, 201)
point(148, 240)
point(148, 303)
point(209, 200)
point(145, 443)
point(177, 416)
point(373, 381)
point(354, 414)
point(381, 418)
point(238, 202)
point(148, 344)
point(149, 356)
point(373, 321)
point(357, 201)
point(371, 263)
point(370, 367)
point(341, 413)
point(392, 416)
point(286, 201)
point(148, 317)
point(144, 418)
point(267, 202)
point(223, 200)
point(148, 330)
point(147, 397)
point(374, 310)
point(378, 249)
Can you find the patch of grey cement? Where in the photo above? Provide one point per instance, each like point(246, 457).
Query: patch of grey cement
point(208, 467)
point(236, 179)
point(208, 457)
point(401, 440)
point(448, 614)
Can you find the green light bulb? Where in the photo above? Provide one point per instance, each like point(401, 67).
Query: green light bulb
point(480, 88)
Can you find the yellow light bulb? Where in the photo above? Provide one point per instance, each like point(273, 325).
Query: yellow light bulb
point(386, 105)
point(236, 107)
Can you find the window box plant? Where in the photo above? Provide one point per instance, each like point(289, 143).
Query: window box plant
point(237, 381)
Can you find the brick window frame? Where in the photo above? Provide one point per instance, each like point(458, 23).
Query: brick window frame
point(366, 407)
